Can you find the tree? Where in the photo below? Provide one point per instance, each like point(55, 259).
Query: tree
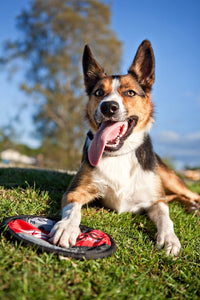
point(53, 34)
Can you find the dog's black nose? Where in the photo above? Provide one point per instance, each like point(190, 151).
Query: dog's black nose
point(109, 108)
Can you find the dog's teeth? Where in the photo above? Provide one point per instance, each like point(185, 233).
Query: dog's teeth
point(115, 143)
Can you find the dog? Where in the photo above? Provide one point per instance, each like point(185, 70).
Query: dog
point(119, 165)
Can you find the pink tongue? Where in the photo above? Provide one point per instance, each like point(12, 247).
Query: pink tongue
point(108, 131)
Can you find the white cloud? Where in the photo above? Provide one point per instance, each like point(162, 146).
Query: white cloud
point(167, 136)
point(193, 136)
point(172, 137)
point(184, 149)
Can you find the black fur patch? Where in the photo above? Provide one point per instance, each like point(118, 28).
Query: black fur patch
point(145, 155)
point(88, 139)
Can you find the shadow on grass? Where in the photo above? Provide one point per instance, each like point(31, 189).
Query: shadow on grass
point(51, 181)
point(54, 182)
point(39, 178)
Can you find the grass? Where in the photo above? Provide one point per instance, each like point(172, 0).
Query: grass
point(135, 271)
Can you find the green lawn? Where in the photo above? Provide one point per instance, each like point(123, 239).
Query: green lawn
point(135, 271)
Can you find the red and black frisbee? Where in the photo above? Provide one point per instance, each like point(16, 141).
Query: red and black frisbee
point(33, 230)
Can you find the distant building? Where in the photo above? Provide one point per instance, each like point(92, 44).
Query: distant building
point(10, 155)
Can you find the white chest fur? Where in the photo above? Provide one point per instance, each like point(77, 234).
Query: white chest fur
point(123, 185)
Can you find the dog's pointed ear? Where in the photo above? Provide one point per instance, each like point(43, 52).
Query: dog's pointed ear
point(143, 66)
point(91, 69)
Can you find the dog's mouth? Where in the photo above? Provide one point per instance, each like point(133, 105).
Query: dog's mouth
point(110, 137)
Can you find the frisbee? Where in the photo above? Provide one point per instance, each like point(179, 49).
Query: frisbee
point(33, 230)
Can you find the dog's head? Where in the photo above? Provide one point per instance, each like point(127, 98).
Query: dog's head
point(118, 106)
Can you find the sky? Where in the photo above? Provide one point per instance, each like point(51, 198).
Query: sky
point(173, 27)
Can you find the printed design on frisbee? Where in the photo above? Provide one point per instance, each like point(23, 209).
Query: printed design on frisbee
point(93, 238)
point(33, 230)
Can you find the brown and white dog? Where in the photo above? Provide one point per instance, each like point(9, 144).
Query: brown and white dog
point(119, 165)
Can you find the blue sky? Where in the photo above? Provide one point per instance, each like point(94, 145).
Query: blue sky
point(173, 27)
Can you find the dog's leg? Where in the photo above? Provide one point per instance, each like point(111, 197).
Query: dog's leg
point(172, 183)
point(189, 204)
point(159, 214)
point(81, 191)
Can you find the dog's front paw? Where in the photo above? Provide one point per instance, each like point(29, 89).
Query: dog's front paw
point(64, 234)
point(170, 242)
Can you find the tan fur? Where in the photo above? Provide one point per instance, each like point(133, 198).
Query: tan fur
point(81, 190)
point(175, 187)
point(93, 102)
point(141, 106)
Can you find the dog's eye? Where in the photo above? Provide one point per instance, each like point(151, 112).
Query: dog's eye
point(130, 93)
point(99, 93)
